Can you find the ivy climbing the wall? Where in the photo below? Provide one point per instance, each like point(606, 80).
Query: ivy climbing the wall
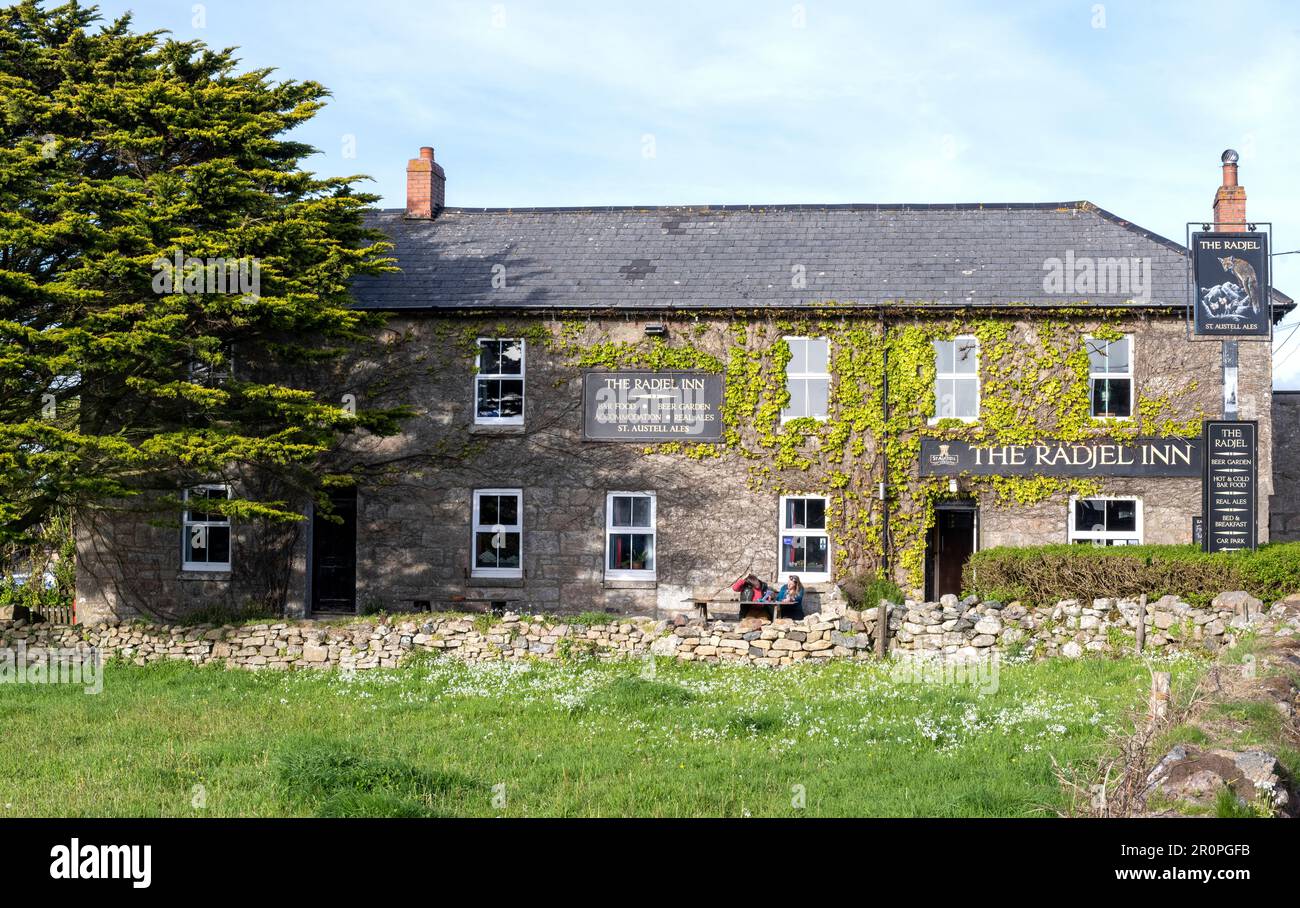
point(1034, 384)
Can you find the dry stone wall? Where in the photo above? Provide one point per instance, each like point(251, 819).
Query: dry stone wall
point(948, 629)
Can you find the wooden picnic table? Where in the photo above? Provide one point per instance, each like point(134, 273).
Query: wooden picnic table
point(730, 607)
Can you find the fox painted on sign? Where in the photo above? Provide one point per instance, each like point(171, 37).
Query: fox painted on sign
point(1244, 272)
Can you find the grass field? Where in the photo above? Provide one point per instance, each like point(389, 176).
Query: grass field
point(441, 738)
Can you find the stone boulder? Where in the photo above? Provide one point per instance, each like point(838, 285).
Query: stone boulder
point(1197, 776)
point(1239, 602)
point(666, 646)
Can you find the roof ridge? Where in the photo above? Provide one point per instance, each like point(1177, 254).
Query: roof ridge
point(1081, 204)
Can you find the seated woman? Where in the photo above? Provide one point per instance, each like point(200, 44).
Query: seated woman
point(791, 594)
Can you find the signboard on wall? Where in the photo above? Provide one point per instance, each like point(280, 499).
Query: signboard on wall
point(1230, 485)
point(1163, 457)
point(1231, 277)
point(652, 406)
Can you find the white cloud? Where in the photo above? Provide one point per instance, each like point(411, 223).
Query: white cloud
point(923, 102)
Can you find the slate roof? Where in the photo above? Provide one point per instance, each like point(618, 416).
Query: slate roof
point(743, 257)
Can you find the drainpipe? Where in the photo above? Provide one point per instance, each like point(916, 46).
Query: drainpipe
point(882, 610)
point(884, 446)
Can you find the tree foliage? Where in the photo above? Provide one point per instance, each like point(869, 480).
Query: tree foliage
point(120, 151)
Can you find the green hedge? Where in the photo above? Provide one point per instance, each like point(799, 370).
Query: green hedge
point(864, 591)
point(1046, 574)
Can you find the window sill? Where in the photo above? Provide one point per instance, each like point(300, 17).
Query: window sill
point(510, 583)
point(968, 420)
point(614, 583)
point(501, 429)
point(203, 575)
point(809, 581)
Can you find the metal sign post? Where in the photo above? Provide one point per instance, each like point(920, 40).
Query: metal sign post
point(1230, 379)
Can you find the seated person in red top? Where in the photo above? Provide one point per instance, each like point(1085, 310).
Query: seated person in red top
point(759, 593)
point(752, 589)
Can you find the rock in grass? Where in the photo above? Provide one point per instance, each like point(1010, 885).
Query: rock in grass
point(1196, 776)
point(1240, 602)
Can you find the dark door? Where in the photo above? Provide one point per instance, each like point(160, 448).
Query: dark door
point(952, 540)
point(334, 555)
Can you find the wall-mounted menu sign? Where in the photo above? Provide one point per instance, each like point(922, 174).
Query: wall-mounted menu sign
point(1099, 457)
point(1232, 290)
point(652, 406)
point(1230, 485)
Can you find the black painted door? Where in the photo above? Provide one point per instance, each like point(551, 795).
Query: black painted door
point(952, 540)
point(334, 556)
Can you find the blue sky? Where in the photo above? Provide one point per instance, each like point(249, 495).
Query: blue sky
point(1127, 105)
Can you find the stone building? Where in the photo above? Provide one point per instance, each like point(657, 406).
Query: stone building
point(1284, 509)
point(625, 409)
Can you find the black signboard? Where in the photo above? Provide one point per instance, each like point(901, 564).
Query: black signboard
point(1095, 457)
point(652, 406)
point(1198, 531)
point(1231, 284)
point(1229, 486)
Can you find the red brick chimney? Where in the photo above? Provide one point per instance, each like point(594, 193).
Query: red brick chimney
point(1230, 200)
point(426, 185)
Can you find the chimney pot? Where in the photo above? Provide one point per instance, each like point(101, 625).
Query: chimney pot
point(1230, 199)
point(426, 185)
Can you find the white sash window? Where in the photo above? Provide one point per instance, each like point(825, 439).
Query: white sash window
point(498, 533)
point(205, 534)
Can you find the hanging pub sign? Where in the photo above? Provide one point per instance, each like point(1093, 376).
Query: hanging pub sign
point(1096, 457)
point(1229, 485)
point(652, 406)
point(1231, 278)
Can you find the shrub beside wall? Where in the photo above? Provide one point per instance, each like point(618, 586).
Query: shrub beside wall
point(1045, 574)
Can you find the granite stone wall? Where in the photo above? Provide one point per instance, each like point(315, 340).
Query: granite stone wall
point(1168, 506)
point(414, 515)
point(129, 566)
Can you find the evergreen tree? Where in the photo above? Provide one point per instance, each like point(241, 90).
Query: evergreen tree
point(123, 155)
